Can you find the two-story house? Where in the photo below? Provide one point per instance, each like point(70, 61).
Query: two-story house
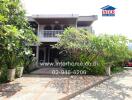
point(46, 28)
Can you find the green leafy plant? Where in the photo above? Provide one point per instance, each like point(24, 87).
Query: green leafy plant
point(15, 34)
point(117, 69)
point(82, 46)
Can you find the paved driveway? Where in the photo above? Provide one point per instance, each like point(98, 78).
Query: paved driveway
point(45, 87)
point(117, 88)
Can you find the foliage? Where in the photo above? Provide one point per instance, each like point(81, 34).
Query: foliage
point(82, 46)
point(113, 47)
point(15, 35)
point(73, 42)
point(9, 44)
point(12, 13)
point(3, 76)
point(30, 64)
point(117, 69)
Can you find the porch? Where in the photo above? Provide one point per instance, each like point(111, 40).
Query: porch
point(45, 53)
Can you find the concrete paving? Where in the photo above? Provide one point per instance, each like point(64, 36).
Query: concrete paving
point(45, 87)
point(118, 87)
point(47, 71)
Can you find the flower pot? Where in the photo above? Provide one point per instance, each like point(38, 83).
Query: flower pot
point(19, 71)
point(11, 74)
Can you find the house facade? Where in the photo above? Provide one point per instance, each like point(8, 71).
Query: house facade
point(46, 27)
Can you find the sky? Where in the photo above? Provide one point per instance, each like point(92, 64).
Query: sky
point(120, 24)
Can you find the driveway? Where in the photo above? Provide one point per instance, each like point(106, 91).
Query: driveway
point(46, 87)
point(118, 87)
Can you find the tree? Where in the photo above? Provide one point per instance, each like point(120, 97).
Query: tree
point(15, 33)
point(111, 48)
point(12, 13)
point(83, 46)
point(74, 41)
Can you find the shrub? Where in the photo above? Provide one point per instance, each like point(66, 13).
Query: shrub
point(82, 46)
point(117, 69)
point(3, 76)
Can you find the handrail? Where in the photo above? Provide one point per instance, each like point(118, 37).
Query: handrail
point(51, 33)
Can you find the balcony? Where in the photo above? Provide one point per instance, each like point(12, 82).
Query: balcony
point(50, 35)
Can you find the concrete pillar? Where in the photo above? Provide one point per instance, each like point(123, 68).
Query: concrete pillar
point(37, 50)
point(37, 55)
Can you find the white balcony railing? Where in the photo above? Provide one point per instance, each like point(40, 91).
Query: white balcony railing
point(51, 33)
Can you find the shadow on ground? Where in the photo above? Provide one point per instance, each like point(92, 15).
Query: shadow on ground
point(8, 89)
point(113, 92)
point(74, 83)
point(117, 88)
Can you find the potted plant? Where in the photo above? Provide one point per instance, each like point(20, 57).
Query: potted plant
point(20, 68)
point(11, 65)
point(23, 59)
point(19, 71)
point(11, 74)
point(11, 62)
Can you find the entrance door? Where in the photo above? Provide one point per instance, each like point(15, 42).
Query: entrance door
point(54, 54)
point(44, 54)
point(48, 54)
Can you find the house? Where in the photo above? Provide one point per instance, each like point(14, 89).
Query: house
point(48, 26)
